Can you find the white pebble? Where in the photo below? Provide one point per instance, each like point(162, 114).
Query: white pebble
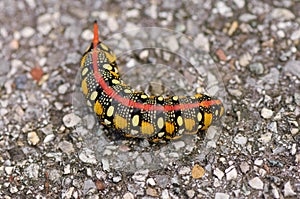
point(27, 32)
point(266, 113)
point(288, 191)
point(33, 138)
point(256, 183)
point(71, 120)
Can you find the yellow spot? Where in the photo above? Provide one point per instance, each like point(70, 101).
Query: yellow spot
point(175, 98)
point(83, 60)
point(147, 128)
point(179, 121)
point(144, 96)
point(199, 116)
point(115, 81)
point(207, 120)
point(170, 127)
point(135, 120)
point(160, 122)
point(84, 86)
point(107, 66)
point(110, 111)
point(160, 98)
point(94, 95)
point(98, 109)
point(120, 122)
point(189, 124)
point(104, 46)
point(84, 71)
point(127, 91)
point(198, 95)
point(111, 57)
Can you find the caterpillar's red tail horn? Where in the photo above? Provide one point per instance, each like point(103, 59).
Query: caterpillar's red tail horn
point(96, 37)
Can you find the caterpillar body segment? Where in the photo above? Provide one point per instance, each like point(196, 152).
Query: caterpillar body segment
point(136, 114)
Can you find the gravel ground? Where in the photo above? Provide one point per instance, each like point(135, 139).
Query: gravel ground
point(255, 153)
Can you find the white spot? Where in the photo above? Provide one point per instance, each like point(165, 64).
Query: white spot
point(107, 121)
point(107, 66)
point(160, 122)
point(179, 121)
point(110, 111)
point(135, 120)
point(199, 116)
point(175, 98)
point(114, 81)
point(84, 71)
point(160, 98)
point(144, 96)
point(127, 91)
point(161, 134)
point(94, 95)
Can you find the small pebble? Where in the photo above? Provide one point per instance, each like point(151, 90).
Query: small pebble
point(66, 147)
point(151, 192)
point(33, 138)
point(231, 173)
point(88, 186)
point(244, 166)
point(117, 179)
point(258, 162)
point(197, 171)
point(256, 68)
point(27, 32)
point(266, 113)
point(151, 182)
point(221, 196)
point(256, 183)
point(190, 193)
point(87, 156)
point(218, 173)
point(288, 190)
point(128, 195)
point(245, 59)
point(282, 14)
point(71, 120)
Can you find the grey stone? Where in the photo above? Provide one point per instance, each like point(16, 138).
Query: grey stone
point(89, 186)
point(221, 196)
point(66, 147)
point(218, 173)
point(32, 171)
point(257, 68)
point(87, 156)
point(293, 67)
point(282, 14)
point(71, 120)
point(266, 113)
point(288, 190)
point(256, 183)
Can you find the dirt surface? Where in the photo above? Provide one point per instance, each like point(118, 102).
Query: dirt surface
point(254, 153)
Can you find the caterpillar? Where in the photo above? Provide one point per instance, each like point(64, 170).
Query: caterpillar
point(134, 113)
